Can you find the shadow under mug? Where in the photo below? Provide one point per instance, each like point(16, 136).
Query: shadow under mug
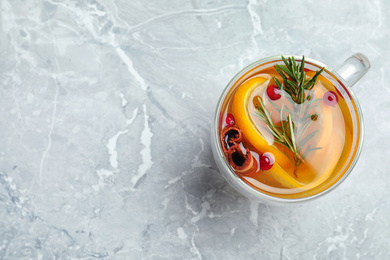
point(343, 79)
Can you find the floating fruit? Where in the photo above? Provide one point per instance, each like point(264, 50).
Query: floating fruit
point(267, 160)
point(292, 122)
point(243, 118)
point(273, 92)
point(230, 120)
point(330, 98)
point(252, 133)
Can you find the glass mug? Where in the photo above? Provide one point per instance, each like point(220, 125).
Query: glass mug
point(234, 154)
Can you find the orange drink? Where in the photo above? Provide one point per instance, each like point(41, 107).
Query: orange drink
point(287, 129)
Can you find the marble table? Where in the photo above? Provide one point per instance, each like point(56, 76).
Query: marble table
point(105, 117)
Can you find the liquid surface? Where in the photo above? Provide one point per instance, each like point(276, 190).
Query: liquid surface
point(319, 131)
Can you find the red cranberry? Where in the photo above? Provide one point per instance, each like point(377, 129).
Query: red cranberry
point(267, 160)
point(273, 92)
point(330, 98)
point(230, 120)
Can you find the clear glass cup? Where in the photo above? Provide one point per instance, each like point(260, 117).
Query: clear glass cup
point(343, 79)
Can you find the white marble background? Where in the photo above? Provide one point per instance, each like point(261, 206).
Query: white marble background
point(105, 114)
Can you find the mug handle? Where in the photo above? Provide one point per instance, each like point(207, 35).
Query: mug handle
point(354, 68)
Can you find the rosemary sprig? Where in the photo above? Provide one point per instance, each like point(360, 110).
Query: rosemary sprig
point(294, 78)
point(283, 134)
point(289, 133)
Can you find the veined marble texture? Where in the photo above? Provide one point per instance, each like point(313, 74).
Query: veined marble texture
point(105, 117)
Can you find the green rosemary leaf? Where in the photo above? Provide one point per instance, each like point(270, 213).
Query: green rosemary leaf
point(307, 138)
point(277, 83)
point(287, 110)
point(281, 119)
point(267, 114)
point(302, 70)
point(288, 65)
point(294, 66)
point(286, 71)
point(292, 83)
point(292, 132)
point(301, 95)
point(305, 126)
point(282, 143)
point(274, 105)
point(311, 101)
point(280, 72)
point(288, 156)
point(275, 133)
point(310, 84)
point(279, 128)
point(316, 148)
point(307, 150)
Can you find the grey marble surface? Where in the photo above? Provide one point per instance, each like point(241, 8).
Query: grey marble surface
point(105, 116)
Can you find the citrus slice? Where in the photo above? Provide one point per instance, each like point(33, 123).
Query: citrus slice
point(330, 137)
point(284, 178)
point(243, 121)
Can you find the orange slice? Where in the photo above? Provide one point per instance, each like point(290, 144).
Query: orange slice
point(252, 133)
point(243, 118)
point(242, 106)
point(330, 138)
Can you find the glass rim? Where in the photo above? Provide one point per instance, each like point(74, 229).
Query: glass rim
point(236, 181)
